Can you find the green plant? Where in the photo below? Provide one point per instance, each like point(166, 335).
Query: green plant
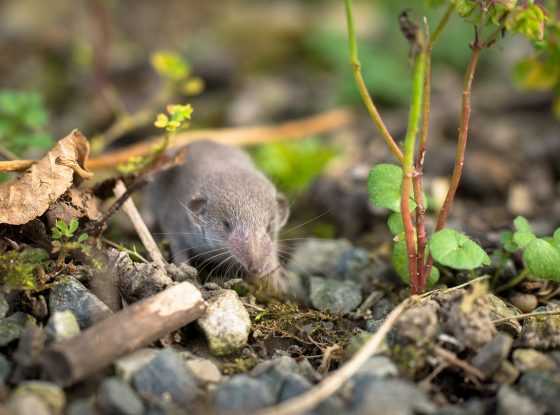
point(292, 166)
point(65, 239)
point(541, 256)
point(400, 188)
point(23, 121)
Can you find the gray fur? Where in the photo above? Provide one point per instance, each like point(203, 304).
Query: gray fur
point(218, 203)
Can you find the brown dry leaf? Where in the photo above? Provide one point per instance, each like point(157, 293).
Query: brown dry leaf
point(31, 194)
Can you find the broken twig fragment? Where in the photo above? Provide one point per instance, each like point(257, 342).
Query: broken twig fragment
point(136, 326)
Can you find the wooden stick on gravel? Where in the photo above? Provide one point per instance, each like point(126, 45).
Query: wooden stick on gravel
point(143, 232)
point(138, 325)
point(332, 383)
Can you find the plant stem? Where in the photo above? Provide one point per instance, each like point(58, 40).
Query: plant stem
point(513, 282)
point(421, 235)
point(462, 139)
point(408, 167)
point(366, 97)
point(461, 143)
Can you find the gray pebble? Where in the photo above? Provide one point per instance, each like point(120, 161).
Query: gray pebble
point(543, 388)
point(62, 325)
point(4, 306)
point(70, 294)
point(5, 368)
point(166, 374)
point(510, 402)
point(242, 394)
point(339, 297)
point(116, 397)
point(12, 327)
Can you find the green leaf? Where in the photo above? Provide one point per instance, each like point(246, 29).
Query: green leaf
point(456, 250)
point(83, 237)
point(524, 233)
point(384, 187)
point(506, 238)
point(395, 223)
point(522, 225)
point(399, 259)
point(73, 226)
point(542, 260)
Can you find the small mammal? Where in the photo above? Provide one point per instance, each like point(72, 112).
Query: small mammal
point(217, 207)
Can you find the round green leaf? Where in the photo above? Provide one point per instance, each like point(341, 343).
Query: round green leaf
point(522, 225)
point(399, 259)
point(543, 260)
point(456, 250)
point(395, 223)
point(384, 187)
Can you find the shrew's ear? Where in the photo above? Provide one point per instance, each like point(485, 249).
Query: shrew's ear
point(197, 205)
point(283, 210)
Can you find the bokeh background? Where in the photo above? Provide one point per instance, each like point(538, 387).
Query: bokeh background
point(268, 61)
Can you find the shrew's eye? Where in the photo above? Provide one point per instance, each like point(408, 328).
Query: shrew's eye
point(227, 225)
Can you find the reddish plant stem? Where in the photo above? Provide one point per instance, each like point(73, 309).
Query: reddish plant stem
point(463, 136)
point(421, 236)
point(415, 285)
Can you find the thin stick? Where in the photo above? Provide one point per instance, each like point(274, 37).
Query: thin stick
point(143, 232)
point(366, 97)
point(455, 361)
point(333, 382)
point(527, 315)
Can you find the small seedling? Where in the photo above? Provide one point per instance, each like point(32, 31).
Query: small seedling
point(65, 239)
point(399, 188)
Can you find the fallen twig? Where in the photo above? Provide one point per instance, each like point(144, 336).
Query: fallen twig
point(333, 382)
point(136, 326)
point(143, 232)
point(527, 315)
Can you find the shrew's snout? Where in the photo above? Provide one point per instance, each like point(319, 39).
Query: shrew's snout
point(253, 251)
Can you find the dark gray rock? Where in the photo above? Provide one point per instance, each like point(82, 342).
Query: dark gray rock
point(381, 309)
point(490, 357)
point(70, 294)
point(82, 407)
point(319, 257)
point(339, 297)
point(294, 385)
point(12, 327)
point(127, 365)
point(62, 325)
point(472, 407)
point(242, 394)
point(117, 398)
point(167, 374)
point(378, 366)
point(543, 388)
point(373, 325)
point(510, 402)
point(5, 368)
point(4, 306)
point(374, 396)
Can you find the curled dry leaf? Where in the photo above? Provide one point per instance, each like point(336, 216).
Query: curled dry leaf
point(31, 194)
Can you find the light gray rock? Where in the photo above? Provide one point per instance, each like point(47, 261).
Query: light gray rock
point(62, 325)
point(530, 359)
point(204, 370)
point(51, 394)
point(126, 366)
point(167, 375)
point(242, 394)
point(70, 294)
point(117, 398)
point(26, 404)
point(510, 402)
point(374, 396)
point(339, 297)
point(82, 407)
point(226, 323)
point(379, 366)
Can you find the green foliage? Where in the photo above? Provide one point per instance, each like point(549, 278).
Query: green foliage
point(175, 69)
point(541, 256)
point(292, 166)
point(177, 119)
point(17, 268)
point(399, 260)
point(395, 223)
point(65, 240)
point(384, 187)
point(23, 121)
point(455, 250)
